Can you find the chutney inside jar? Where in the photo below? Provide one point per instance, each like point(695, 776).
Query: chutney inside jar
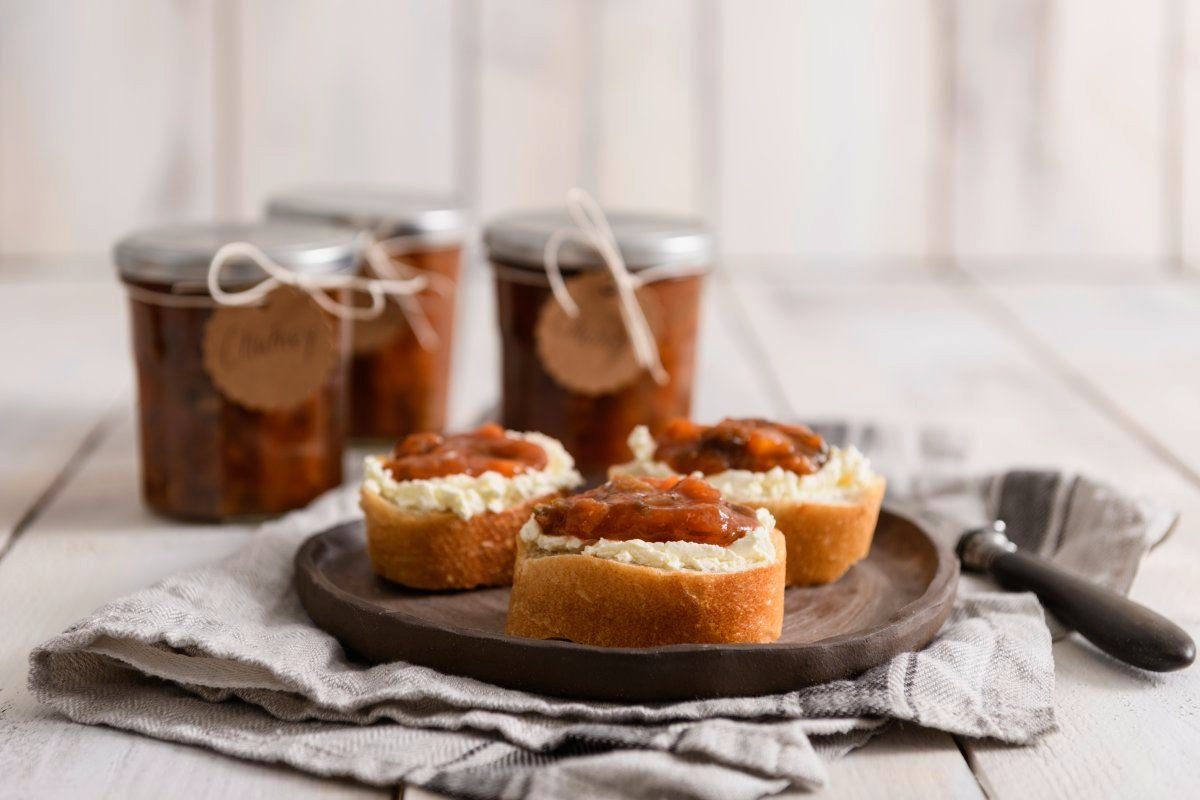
point(218, 442)
point(576, 378)
point(400, 362)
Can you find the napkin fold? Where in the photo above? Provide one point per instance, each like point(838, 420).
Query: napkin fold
point(225, 657)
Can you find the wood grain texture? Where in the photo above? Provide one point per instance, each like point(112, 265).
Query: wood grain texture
point(106, 113)
point(892, 601)
point(1134, 349)
point(974, 130)
point(96, 539)
point(1186, 85)
point(357, 92)
point(475, 366)
point(905, 763)
point(827, 116)
point(933, 353)
point(922, 354)
point(643, 110)
point(1059, 148)
point(533, 68)
point(1126, 350)
point(64, 354)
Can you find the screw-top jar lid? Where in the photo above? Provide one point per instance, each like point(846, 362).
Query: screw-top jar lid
point(182, 253)
point(386, 213)
point(646, 239)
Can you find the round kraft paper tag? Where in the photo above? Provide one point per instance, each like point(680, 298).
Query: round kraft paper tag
point(591, 353)
point(271, 357)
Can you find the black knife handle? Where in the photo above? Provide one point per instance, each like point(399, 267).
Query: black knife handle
point(1117, 625)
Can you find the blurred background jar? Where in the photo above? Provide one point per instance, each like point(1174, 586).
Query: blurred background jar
point(400, 361)
point(241, 406)
point(576, 376)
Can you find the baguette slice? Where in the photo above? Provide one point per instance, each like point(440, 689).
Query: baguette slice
point(825, 539)
point(597, 601)
point(439, 549)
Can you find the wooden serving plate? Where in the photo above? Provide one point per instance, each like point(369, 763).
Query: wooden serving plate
point(893, 601)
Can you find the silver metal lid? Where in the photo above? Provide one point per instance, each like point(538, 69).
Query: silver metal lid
point(182, 253)
point(646, 239)
point(384, 212)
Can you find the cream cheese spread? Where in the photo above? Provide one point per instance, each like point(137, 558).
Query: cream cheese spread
point(753, 550)
point(841, 479)
point(468, 495)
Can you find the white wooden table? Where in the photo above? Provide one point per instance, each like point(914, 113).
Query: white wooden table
point(1096, 371)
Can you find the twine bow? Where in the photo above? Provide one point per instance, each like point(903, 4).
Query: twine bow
point(388, 283)
point(593, 229)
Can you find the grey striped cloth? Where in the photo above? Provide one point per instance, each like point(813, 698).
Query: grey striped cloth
point(224, 657)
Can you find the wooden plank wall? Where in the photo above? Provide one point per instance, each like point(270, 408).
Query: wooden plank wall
point(1005, 131)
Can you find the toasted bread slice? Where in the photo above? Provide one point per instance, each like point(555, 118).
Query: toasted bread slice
point(439, 549)
point(598, 601)
point(825, 539)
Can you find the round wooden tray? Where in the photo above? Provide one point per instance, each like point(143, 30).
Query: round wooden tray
point(893, 601)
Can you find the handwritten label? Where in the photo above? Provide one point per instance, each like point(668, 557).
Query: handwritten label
point(591, 354)
point(273, 357)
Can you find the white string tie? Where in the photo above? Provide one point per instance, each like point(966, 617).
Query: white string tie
point(389, 283)
point(593, 229)
point(384, 261)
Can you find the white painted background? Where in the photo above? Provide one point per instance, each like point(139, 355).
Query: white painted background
point(974, 131)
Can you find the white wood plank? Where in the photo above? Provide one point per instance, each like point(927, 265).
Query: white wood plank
point(730, 380)
point(915, 353)
point(905, 762)
point(827, 127)
point(417, 793)
point(643, 110)
point(1137, 345)
point(97, 540)
point(1121, 732)
point(475, 368)
point(930, 353)
point(351, 92)
point(1058, 129)
point(67, 364)
point(107, 114)
point(532, 76)
point(1133, 346)
point(1188, 88)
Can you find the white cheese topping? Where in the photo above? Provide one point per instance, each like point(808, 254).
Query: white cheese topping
point(840, 479)
point(468, 495)
point(753, 550)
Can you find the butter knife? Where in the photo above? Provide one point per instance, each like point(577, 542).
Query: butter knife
point(1126, 630)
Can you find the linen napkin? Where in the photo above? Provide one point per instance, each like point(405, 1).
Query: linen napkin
point(225, 657)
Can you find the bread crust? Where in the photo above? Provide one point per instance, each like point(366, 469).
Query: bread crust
point(598, 601)
point(825, 539)
point(439, 549)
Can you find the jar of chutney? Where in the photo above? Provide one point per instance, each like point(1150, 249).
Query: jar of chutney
point(400, 361)
point(569, 363)
point(241, 405)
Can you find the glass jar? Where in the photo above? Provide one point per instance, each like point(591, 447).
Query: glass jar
point(576, 378)
point(399, 375)
point(241, 407)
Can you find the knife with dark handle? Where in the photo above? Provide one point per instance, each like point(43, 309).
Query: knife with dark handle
point(1126, 630)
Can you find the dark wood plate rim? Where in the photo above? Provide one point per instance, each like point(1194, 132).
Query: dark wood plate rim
point(935, 599)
